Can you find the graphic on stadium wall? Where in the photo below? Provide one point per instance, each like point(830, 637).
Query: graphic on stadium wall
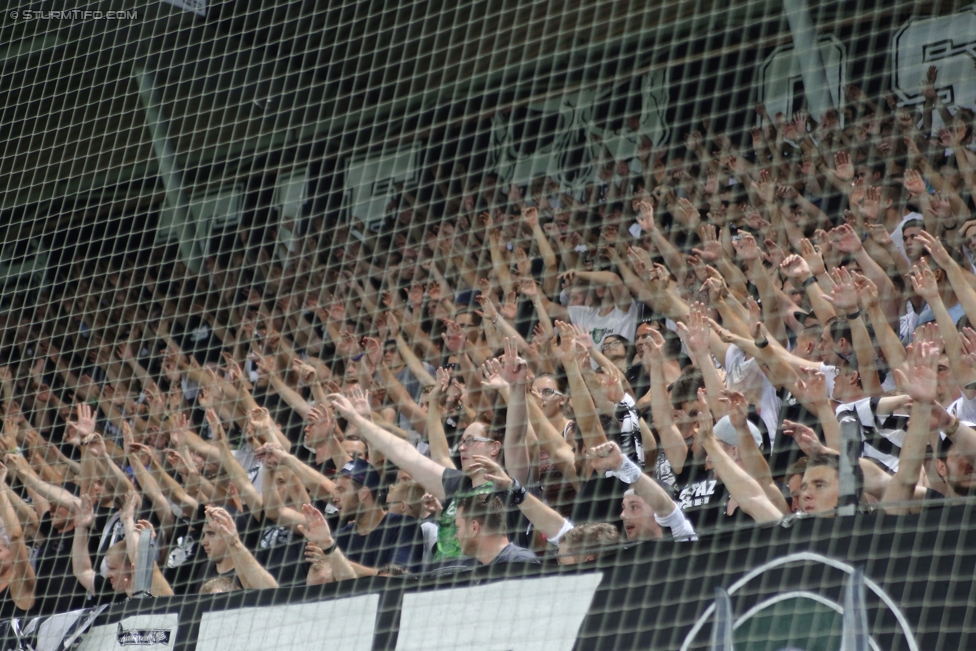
point(823, 605)
point(781, 84)
point(947, 42)
point(371, 181)
point(565, 149)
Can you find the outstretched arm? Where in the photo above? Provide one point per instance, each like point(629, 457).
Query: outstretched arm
point(424, 471)
point(746, 490)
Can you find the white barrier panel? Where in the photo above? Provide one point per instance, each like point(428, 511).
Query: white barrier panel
point(146, 632)
point(340, 625)
point(527, 615)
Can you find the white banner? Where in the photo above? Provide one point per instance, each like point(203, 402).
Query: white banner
point(339, 625)
point(525, 615)
point(142, 632)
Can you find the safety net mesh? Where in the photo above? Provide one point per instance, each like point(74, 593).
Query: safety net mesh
point(487, 325)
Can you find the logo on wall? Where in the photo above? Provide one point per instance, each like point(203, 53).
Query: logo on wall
point(555, 137)
point(781, 84)
point(371, 182)
point(947, 42)
point(827, 605)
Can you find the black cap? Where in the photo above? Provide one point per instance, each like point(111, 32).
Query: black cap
point(362, 473)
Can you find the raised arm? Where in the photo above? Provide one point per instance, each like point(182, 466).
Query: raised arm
point(22, 581)
point(250, 572)
point(440, 451)
point(81, 564)
point(424, 471)
point(746, 490)
point(918, 378)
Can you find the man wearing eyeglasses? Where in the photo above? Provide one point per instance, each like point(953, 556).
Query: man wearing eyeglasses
point(448, 485)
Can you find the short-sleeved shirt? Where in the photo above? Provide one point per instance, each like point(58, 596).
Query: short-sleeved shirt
point(457, 486)
point(397, 539)
point(617, 322)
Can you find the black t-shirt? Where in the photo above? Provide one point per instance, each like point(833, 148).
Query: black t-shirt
point(398, 539)
point(279, 550)
point(186, 563)
point(57, 590)
point(704, 499)
point(600, 499)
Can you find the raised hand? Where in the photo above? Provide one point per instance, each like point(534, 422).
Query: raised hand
point(936, 249)
point(270, 454)
point(514, 370)
point(360, 401)
point(645, 218)
point(923, 281)
point(867, 291)
point(805, 437)
point(843, 296)
point(843, 168)
point(738, 407)
point(316, 530)
point(342, 404)
point(85, 514)
point(222, 523)
point(454, 337)
point(918, 376)
point(845, 239)
point(84, 424)
point(492, 472)
point(813, 256)
point(695, 332)
point(811, 388)
point(605, 458)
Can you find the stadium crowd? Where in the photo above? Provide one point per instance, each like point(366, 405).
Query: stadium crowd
point(506, 375)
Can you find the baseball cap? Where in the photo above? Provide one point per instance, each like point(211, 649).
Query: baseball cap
point(362, 473)
point(725, 432)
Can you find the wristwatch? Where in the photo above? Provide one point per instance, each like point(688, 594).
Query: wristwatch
point(516, 494)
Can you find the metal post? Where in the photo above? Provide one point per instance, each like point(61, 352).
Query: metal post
point(176, 216)
point(722, 627)
point(143, 573)
point(806, 49)
point(850, 432)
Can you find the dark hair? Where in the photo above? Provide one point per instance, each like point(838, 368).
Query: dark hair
point(798, 467)
point(486, 508)
point(685, 388)
point(840, 328)
point(824, 460)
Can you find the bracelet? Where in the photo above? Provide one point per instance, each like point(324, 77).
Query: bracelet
point(953, 426)
point(495, 320)
point(809, 281)
point(856, 314)
point(331, 549)
point(763, 343)
point(628, 472)
point(356, 358)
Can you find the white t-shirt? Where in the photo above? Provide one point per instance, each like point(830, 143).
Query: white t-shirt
point(616, 322)
point(963, 409)
point(743, 375)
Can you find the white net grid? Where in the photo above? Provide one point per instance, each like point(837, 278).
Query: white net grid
point(338, 304)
